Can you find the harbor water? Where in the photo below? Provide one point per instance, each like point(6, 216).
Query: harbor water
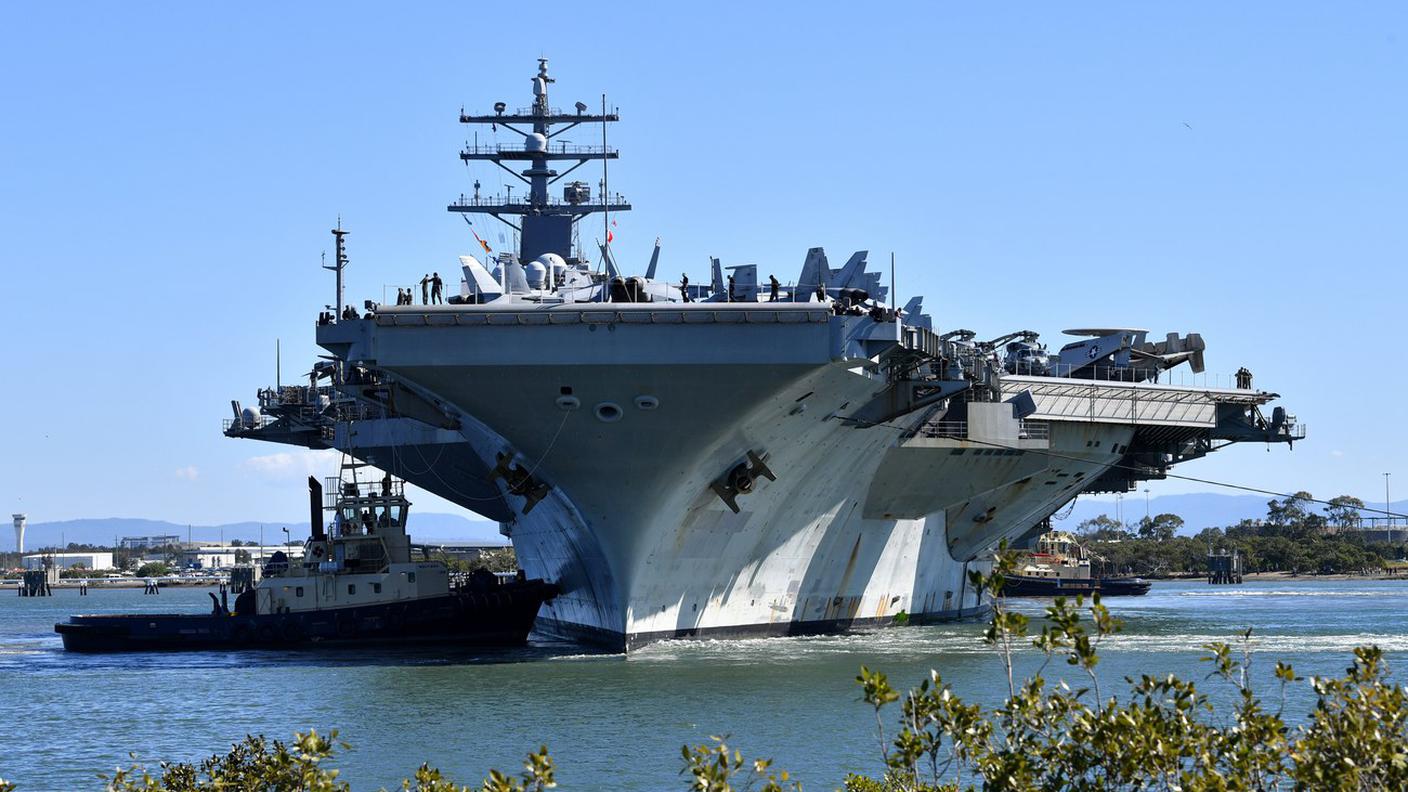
point(610, 722)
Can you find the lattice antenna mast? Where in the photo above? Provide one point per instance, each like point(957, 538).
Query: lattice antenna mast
point(340, 259)
point(544, 224)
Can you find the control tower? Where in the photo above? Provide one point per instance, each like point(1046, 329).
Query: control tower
point(19, 532)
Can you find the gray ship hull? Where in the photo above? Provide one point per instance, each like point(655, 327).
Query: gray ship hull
point(861, 526)
point(738, 458)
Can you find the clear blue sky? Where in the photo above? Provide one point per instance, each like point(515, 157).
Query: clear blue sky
point(171, 172)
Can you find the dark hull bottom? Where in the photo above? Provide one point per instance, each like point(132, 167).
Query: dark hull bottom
point(502, 617)
point(1020, 586)
point(614, 641)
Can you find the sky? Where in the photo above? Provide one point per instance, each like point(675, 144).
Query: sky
point(172, 171)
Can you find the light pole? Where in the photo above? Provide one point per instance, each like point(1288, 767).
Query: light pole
point(1146, 504)
point(1388, 508)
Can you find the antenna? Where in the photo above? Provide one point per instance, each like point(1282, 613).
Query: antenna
point(894, 296)
point(278, 367)
point(605, 191)
point(606, 202)
point(340, 262)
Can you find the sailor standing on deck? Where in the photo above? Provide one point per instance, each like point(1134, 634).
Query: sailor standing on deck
point(772, 281)
point(425, 290)
point(731, 298)
point(437, 288)
point(684, 286)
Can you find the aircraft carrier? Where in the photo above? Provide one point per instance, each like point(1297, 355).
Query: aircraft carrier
point(738, 457)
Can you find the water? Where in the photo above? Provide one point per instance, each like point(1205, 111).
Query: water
point(610, 722)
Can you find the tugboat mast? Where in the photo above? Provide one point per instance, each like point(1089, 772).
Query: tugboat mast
point(544, 224)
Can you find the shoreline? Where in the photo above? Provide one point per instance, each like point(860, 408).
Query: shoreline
point(1289, 576)
point(121, 584)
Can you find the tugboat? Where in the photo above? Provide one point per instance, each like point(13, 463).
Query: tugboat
point(355, 584)
point(1060, 567)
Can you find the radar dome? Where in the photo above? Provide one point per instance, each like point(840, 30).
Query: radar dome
point(551, 261)
point(536, 273)
point(555, 267)
point(249, 417)
point(535, 142)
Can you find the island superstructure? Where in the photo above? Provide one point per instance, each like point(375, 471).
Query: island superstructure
point(735, 457)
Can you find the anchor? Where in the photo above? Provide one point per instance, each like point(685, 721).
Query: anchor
point(739, 480)
point(520, 482)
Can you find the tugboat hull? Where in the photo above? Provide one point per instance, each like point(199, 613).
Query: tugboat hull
point(1025, 586)
point(502, 617)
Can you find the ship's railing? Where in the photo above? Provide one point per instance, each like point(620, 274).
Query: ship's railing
point(336, 488)
point(247, 425)
point(615, 199)
point(293, 395)
point(1034, 430)
point(1179, 376)
point(958, 430)
point(955, 429)
point(551, 148)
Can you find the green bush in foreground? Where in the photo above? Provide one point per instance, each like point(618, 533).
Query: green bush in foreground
point(1165, 734)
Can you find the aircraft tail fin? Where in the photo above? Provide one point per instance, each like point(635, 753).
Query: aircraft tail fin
point(815, 272)
point(654, 259)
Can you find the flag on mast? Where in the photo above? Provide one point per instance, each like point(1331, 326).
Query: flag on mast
point(481, 242)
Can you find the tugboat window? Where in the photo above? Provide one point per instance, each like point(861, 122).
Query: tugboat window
point(376, 588)
point(298, 592)
point(351, 588)
point(411, 576)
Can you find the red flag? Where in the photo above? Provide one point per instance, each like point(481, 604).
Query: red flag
point(609, 236)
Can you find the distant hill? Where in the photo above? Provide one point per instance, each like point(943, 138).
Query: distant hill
point(424, 527)
point(1198, 510)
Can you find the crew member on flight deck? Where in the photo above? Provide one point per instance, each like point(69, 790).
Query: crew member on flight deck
point(437, 288)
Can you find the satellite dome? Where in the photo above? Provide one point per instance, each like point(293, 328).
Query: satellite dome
point(554, 268)
point(536, 273)
point(551, 260)
point(535, 142)
point(249, 417)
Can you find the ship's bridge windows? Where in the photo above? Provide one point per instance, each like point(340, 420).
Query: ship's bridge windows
point(351, 588)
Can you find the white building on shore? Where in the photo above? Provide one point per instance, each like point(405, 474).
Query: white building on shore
point(87, 560)
point(223, 556)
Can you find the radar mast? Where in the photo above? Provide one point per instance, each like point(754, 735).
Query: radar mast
point(544, 224)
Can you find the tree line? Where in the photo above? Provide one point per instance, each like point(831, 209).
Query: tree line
point(1293, 537)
